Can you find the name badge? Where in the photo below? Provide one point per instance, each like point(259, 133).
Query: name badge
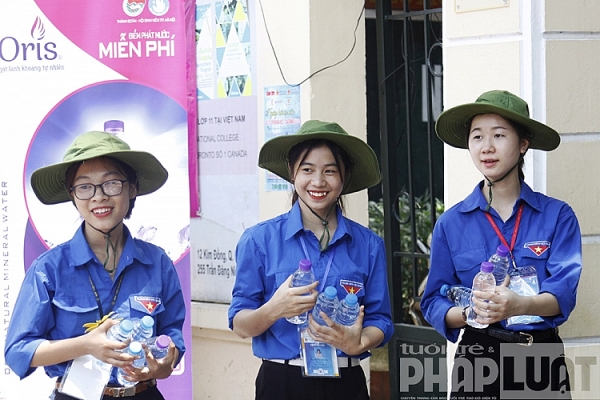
point(319, 359)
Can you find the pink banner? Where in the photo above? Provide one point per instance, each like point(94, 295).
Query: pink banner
point(67, 67)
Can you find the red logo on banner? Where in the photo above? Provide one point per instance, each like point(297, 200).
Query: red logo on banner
point(538, 248)
point(149, 303)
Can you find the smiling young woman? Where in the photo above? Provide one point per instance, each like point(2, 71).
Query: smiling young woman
point(323, 163)
point(98, 274)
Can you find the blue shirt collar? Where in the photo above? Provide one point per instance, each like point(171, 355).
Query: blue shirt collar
point(81, 253)
point(295, 224)
point(476, 199)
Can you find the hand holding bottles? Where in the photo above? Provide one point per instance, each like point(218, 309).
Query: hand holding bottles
point(303, 276)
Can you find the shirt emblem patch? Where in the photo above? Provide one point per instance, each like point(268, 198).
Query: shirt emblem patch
point(538, 248)
point(149, 303)
point(351, 286)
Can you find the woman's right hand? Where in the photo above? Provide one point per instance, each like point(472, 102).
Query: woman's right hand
point(104, 349)
point(292, 301)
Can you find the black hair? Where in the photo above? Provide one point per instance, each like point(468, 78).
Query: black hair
point(121, 167)
point(299, 152)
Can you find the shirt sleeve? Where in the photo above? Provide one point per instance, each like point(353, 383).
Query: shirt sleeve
point(249, 288)
point(434, 305)
point(564, 265)
point(32, 318)
point(377, 299)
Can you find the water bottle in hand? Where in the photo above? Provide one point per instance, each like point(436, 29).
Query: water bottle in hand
point(501, 263)
point(118, 333)
point(121, 332)
point(484, 281)
point(348, 310)
point(143, 329)
point(159, 346)
point(457, 294)
point(326, 302)
point(303, 276)
point(135, 349)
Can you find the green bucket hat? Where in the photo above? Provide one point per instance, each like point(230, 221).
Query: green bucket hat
point(50, 185)
point(451, 125)
point(273, 155)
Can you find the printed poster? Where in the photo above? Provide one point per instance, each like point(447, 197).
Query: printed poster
point(282, 117)
point(226, 146)
point(69, 67)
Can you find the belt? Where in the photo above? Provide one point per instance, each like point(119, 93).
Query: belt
point(122, 391)
point(343, 362)
point(522, 338)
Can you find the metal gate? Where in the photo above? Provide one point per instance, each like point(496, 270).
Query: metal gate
point(409, 62)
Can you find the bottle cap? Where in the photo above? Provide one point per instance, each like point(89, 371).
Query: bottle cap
point(487, 266)
point(163, 341)
point(444, 289)
point(305, 265)
point(135, 348)
point(351, 299)
point(502, 250)
point(126, 326)
point(330, 292)
point(114, 126)
point(147, 322)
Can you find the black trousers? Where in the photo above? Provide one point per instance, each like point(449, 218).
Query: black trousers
point(285, 382)
point(485, 366)
point(149, 394)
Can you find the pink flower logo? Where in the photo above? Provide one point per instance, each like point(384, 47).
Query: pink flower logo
point(37, 30)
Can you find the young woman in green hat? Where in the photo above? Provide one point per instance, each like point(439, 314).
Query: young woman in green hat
point(539, 231)
point(323, 163)
point(101, 272)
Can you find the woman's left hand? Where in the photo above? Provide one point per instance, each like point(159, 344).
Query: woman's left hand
point(155, 369)
point(344, 338)
point(500, 305)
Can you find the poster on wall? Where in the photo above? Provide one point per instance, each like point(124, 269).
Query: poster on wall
point(282, 117)
point(226, 156)
point(67, 68)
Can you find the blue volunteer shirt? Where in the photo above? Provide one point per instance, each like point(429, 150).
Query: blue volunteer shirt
point(56, 297)
point(548, 239)
point(269, 252)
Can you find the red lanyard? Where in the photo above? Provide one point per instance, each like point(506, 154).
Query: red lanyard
point(515, 230)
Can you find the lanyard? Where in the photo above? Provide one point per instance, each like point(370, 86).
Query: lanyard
point(321, 286)
point(97, 296)
point(514, 234)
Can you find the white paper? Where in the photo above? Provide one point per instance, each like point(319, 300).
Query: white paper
point(85, 379)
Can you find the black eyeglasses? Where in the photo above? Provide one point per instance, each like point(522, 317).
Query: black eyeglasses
point(86, 191)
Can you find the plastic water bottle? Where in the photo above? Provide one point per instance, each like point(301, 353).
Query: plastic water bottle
point(485, 282)
point(115, 126)
point(458, 294)
point(326, 302)
point(121, 332)
point(348, 310)
point(118, 333)
point(143, 329)
point(303, 276)
point(135, 349)
point(501, 263)
point(159, 346)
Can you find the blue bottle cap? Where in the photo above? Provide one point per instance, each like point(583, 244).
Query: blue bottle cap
point(126, 326)
point(147, 322)
point(444, 289)
point(351, 299)
point(330, 292)
point(135, 348)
